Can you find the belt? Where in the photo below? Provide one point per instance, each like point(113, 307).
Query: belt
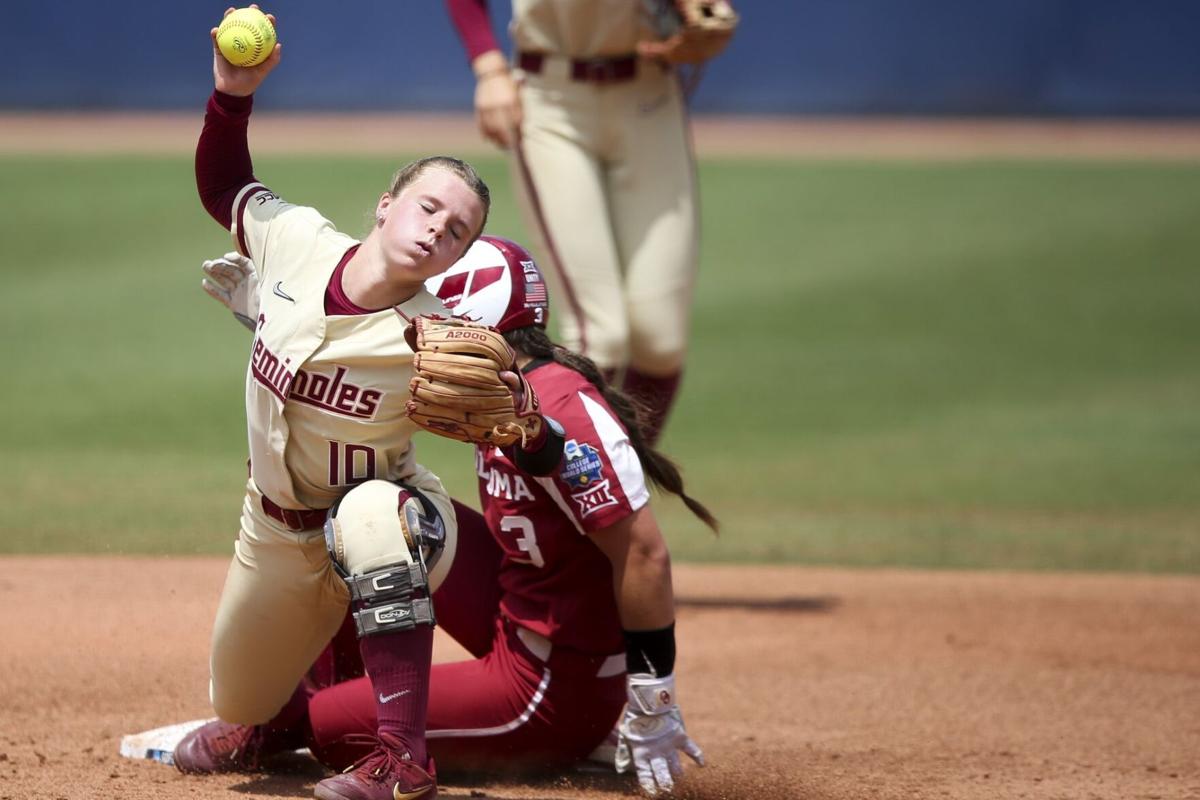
point(295, 519)
point(609, 69)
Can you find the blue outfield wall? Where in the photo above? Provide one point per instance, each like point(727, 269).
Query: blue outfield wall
point(1004, 57)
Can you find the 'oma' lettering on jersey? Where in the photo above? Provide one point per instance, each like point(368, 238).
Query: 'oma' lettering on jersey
point(510, 486)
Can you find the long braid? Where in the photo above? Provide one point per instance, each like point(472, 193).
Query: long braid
point(663, 472)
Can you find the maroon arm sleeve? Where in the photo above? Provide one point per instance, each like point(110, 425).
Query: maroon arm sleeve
point(223, 164)
point(470, 18)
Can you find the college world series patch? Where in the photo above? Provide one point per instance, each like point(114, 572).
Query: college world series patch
point(583, 472)
point(582, 465)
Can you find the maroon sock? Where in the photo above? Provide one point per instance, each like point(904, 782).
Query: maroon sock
point(656, 394)
point(398, 665)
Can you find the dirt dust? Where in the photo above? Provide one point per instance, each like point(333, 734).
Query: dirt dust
point(813, 684)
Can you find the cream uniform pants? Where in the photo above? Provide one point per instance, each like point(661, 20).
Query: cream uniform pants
point(607, 187)
point(281, 604)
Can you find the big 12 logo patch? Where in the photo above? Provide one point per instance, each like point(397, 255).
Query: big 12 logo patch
point(583, 472)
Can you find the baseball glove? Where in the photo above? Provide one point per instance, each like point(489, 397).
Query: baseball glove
point(460, 389)
point(689, 31)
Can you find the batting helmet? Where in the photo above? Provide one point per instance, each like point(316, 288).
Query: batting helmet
point(495, 283)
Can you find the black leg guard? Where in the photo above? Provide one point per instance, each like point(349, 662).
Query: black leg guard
point(391, 600)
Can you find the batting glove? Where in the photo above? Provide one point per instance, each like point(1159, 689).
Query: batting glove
point(232, 281)
point(651, 734)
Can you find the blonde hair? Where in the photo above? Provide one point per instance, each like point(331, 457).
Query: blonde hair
point(410, 172)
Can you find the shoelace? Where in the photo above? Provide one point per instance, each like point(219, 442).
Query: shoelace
point(379, 761)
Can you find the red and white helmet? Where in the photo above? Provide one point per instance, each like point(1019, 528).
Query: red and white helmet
point(495, 283)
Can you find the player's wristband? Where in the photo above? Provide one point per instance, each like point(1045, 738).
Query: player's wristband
point(541, 455)
point(650, 652)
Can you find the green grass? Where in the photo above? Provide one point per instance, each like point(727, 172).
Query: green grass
point(955, 365)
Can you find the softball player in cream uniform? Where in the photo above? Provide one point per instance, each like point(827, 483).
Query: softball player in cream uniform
point(602, 158)
point(325, 393)
point(325, 411)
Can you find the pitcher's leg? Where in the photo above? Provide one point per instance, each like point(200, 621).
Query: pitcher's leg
point(280, 606)
point(380, 535)
point(653, 187)
point(562, 196)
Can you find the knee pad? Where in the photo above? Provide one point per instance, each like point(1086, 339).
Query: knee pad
point(384, 539)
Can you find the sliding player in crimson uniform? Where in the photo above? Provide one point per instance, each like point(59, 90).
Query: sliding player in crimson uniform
point(561, 589)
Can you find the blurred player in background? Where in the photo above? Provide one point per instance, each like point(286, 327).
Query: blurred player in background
point(561, 589)
point(595, 121)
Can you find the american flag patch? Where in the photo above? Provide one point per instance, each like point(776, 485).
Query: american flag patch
point(535, 293)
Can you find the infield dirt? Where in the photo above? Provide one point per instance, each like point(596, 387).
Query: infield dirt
point(799, 683)
point(937, 139)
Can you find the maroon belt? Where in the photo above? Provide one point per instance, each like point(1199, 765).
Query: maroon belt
point(612, 69)
point(295, 520)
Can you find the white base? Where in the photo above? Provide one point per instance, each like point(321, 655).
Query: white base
point(158, 744)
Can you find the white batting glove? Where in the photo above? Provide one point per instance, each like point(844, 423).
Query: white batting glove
point(232, 281)
point(651, 734)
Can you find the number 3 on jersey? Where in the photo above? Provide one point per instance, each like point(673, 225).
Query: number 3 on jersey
point(526, 539)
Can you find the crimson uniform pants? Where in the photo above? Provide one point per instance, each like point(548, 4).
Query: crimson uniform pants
point(512, 707)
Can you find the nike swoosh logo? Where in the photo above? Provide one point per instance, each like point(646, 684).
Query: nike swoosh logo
point(279, 292)
point(388, 698)
point(413, 795)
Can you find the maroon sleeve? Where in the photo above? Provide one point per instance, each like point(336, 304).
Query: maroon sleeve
point(470, 17)
point(223, 164)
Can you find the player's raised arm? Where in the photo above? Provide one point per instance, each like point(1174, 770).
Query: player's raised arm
point(223, 165)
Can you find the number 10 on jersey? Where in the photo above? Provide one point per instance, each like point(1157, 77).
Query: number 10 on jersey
point(350, 464)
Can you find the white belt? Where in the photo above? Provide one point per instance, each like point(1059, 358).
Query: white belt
point(541, 647)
